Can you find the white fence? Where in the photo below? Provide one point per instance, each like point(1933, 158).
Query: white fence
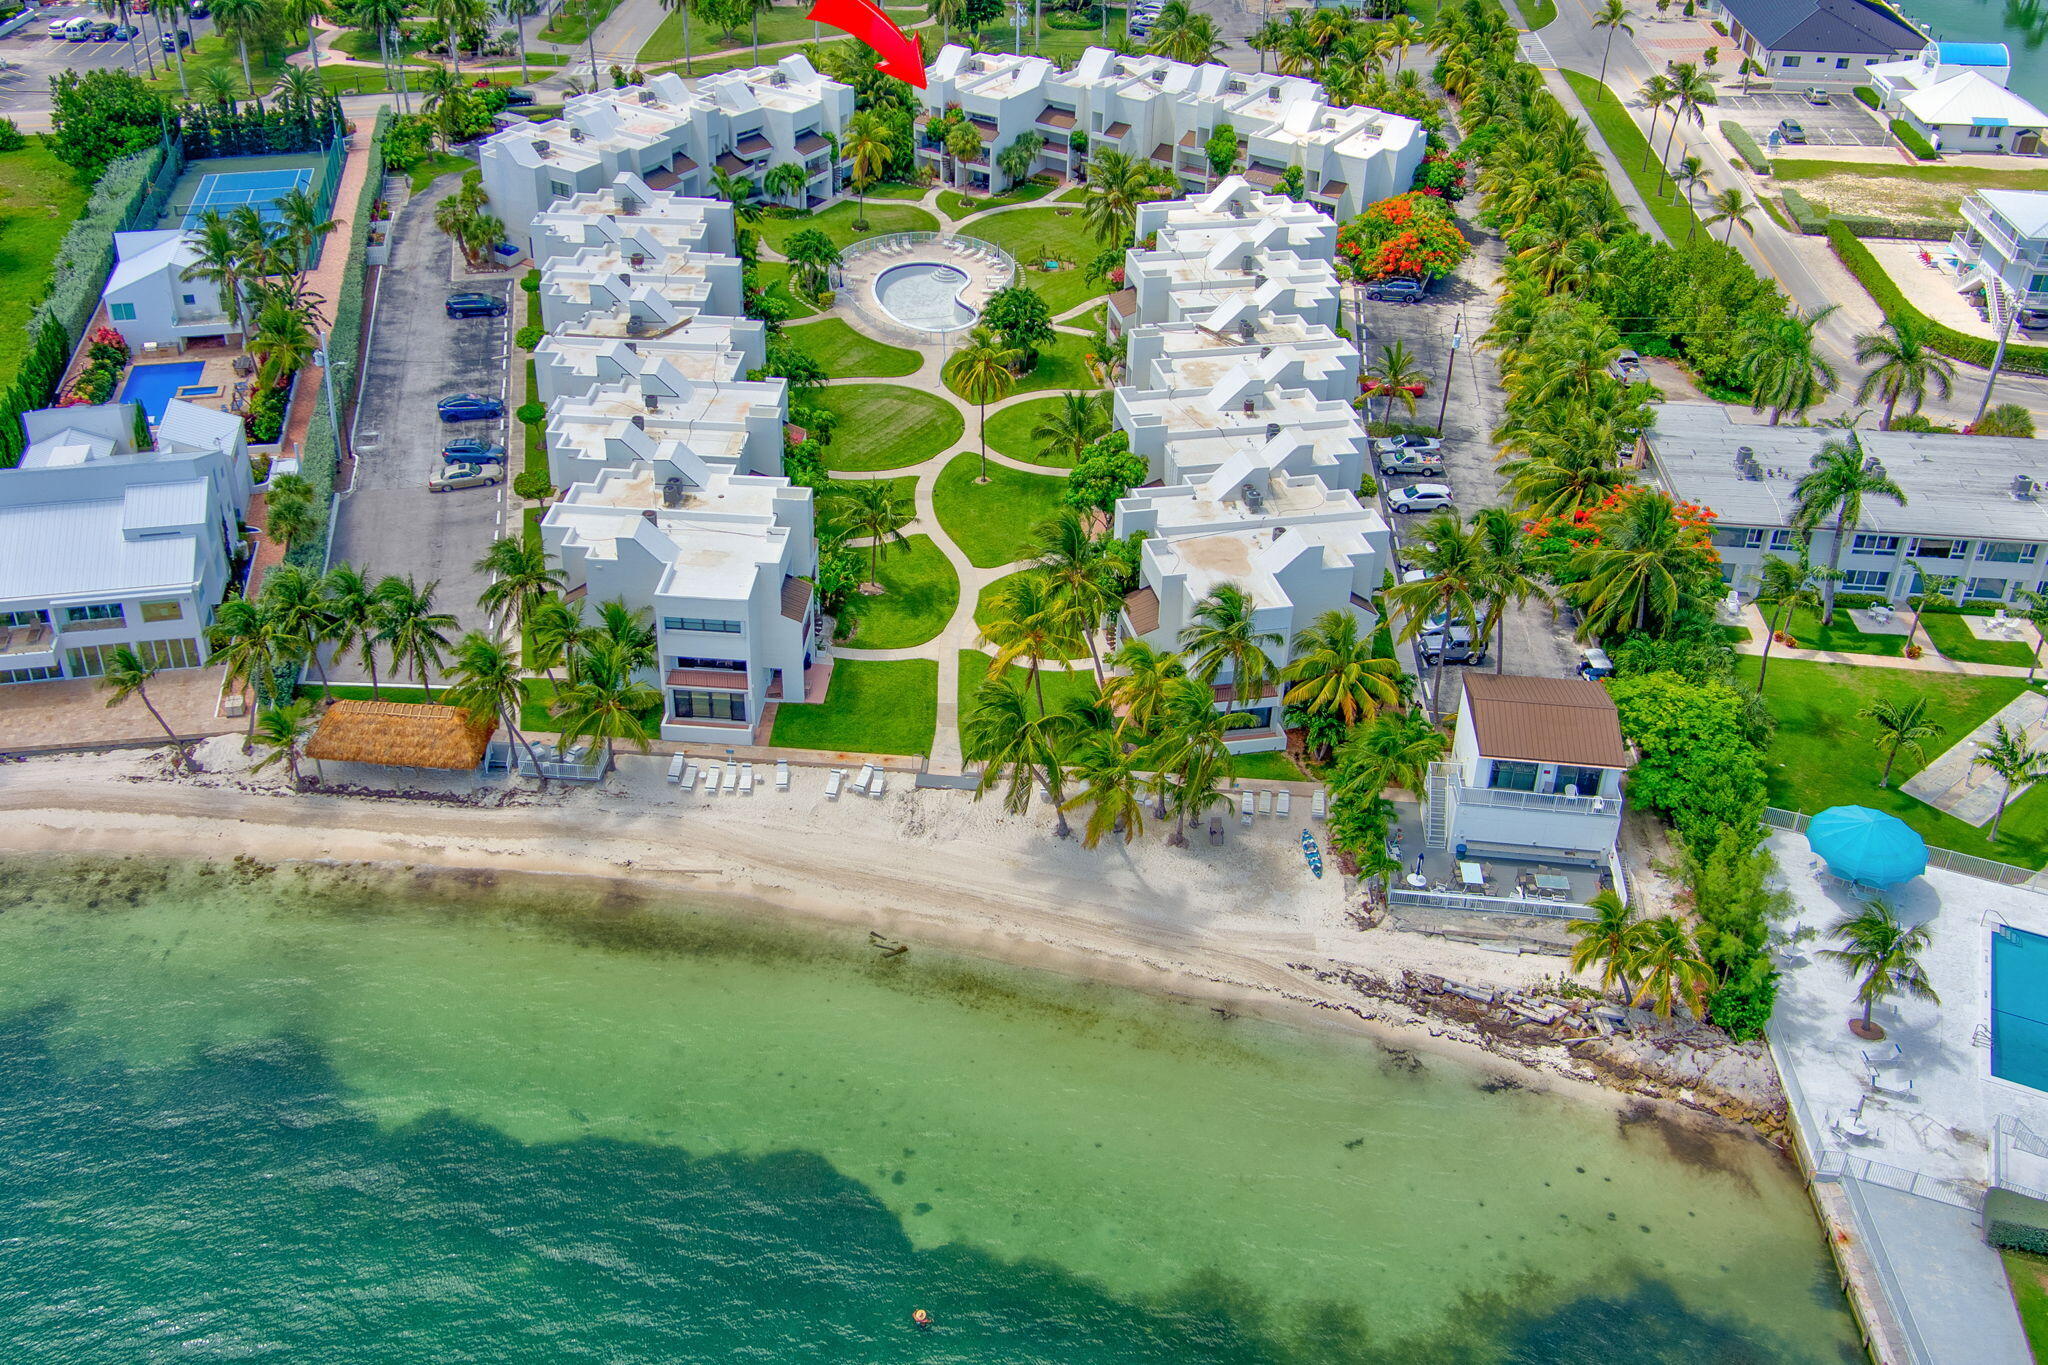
point(1984, 869)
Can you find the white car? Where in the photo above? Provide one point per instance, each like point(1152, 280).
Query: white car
point(1394, 445)
point(1420, 497)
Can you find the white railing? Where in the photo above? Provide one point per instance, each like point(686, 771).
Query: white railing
point(1484, 905)
point(900, 244)
point(1545, 801)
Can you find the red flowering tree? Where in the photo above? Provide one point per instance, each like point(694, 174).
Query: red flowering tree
point(1410, 234)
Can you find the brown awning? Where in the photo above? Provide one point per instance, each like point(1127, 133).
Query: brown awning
point(663, 180)
point(722, 679)
point(1226, 693)
point(1190, 138)
point(396, 734)
point(731, 164)
point(1262, 175)
point(1116, 130)
point(986, 127)
point(1544, 720)
point(1162, 153)
point(683, 164)
point(1053, 117)
point(1124, 302)
point(810, 142)
point(1141, 609)
point(796, 597)
point(1333, 189)
point(753, 144)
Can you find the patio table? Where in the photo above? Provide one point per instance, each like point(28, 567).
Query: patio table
point(1553, 886)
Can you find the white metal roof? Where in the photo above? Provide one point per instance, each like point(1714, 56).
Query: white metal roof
point(77, 550)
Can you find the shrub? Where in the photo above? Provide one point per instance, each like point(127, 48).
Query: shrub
point(529, 337)
point(1867, 95)
point(1808, 219)
point(1743, 1004)
point(1893, 303)
point(530, 281)
point(531, 412)
point(1909, 138)
point(11, 138)
point(265, 418)
point(1720, 28)
point(533, 484)
point(2016, 1221)
point(1745, 147)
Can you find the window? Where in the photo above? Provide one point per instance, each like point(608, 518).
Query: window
point(167, 610)
point(1841, 63)
point(559, 190)
point(1790, 61)
point(2007, 552)
point(171, 653)
point(1986, 589)
point(121, 312)
point(685, 704)
point(1739, 537)
point(22, 675)
point(686, 661)
point(1935, 547)
point(1512, 775)
point(1874, 545)
point(702, 623)
point(96, 617)
point(1866, 580)
point(1784, 540)
point(1586, 780)
point(191, 298)
point(24, 618)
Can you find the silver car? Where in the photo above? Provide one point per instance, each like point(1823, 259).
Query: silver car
point(1420, 497)
point(464, 476)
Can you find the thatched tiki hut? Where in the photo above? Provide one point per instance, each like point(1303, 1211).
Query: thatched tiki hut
point(395, 734)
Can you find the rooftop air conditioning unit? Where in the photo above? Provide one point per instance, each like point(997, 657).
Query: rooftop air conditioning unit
point(1272, 430)
point(2022, 487)
point(637, 259)
point(672, 493)
point(575, 133)
point(639, 422)
point(646, 96)
point(1249, 407)
point(651, 402)
point(647, 512)
point(629, 204)
point(1251, 263)
point(1244, 331)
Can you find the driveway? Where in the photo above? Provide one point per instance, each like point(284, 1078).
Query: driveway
point(1842, 123)
point(415, 356)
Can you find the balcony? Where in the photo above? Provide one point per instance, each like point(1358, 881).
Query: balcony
point(83, 627)
point(1488, 880)
point(708, 679)
point(27, 640)
point(1987, 228)
point(1547, 801)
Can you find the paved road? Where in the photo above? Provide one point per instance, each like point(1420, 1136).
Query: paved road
point(389, 523)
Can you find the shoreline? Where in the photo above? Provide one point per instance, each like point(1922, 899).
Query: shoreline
point(978, 883)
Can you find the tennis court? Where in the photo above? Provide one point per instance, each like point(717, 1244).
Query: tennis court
point(261, 189)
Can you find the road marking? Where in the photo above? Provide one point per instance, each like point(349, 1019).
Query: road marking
point(1535, 52)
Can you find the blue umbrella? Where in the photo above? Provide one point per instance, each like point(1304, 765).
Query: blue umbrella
point(1863, 845)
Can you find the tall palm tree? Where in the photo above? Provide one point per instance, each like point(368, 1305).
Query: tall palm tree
point(457, 19)
point(1900, 726)
point(789, 180)
point(127, 675)
point(1691, 91)
point(2034, 611)
point(383, 17)
point(1645, 566)
point(2014, 760)
point(1138, 688)
point(1686, 177)
point(1669, 967)
point(300, 604)
point(1655, 95)
point(1080, 582)
point(1028, 622)
point(484, 681)
point(738, 191)
point(1836, 483)
point(1269, 37)
point(1223, 633)
point(350, 605)
point(1783, 587)
point(1117, 184)
point(410, 628)
point(870, 509)
point(1192, 753)
point(1932, 586)
point(606, 701)
point(1507, 576)
point(301, 14)
point(217, 259)
point(1613, 15)
point(283, 731)
point(623, 631)
point(754, 8)
point(1071, 426)
point(1783, 365)
point(1885, 957)
point(1111, 787)
point(254, 647)
point(554, 634)
point(1014, 746)
point(983, 372)
point(521, 579)
point(682, 7)
point(1610, 940)
point(242, 20)
point(517, 12)
point(1335, 672)
point(1195, 40)
point(1393, 372)
point(1731, 208)
point(865, 145)
point(302, 218)
point(1448, 557)
point(1904, 364)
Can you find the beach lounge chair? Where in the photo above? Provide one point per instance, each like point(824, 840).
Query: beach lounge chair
point(1265, 803)
point(833, 783)
point(782, 774)
point(1215, 830)
point(689, 782)
point(1891, 1080)
point(730, 782)
point(1884, 1056)
point(879, 785)
point(1283, 802)
point(675, 769)
point(1319, 805)
point(867, 775)
point(1244, 809)
point(746, 779)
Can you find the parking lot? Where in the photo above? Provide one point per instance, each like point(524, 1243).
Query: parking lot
point(416, 355)
point(1842, 122)
point(32, 56)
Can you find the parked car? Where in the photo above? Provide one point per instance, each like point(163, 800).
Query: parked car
point(104, 30)
point(1816, 95)
point(199, 10)
point(1412, 462)
point(1455, 646)
point(473, 450)
point(1389, 445)
point(1420, 497)
point(2033, 319)
point(516, 96)
point(1628, 368)
point(470, 407)
point(1594, 663)
point(475, 306)
point(175, 39)
point(463, 476)
point(1792, 131)
point(57, 26)
point(1415, 575)
point(1399, 289)
point(79, 30)
point(126, 32)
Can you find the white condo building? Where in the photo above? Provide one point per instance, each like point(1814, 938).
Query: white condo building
point(1229, 254)
point(1154, 108)
point(104, 545)
point(672, 133)
point(643, 219)
point(581, 290)
point(682, 427)
point(704, 350)
point(1197, 355)
point(1187, 434)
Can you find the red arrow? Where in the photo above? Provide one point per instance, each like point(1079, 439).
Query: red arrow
point(901, 56)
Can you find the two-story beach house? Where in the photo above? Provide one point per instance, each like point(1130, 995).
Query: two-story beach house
point(151, 303)
point(2005, 239)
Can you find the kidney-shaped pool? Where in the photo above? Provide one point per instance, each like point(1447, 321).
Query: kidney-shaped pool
point(925, 295)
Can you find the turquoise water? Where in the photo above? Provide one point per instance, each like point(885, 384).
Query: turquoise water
point(2023, 24)
point(154, 386)
point(324, 1116)
point(2019, 1007)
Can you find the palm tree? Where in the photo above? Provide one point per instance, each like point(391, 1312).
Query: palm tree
point(299, 602)
point(1138, 688)
point(682, 7)
point(1335, 672)
point(1111, 787)
point(1270, 36)
point(1904, 364)
point(301, 14)
point(300, 215)
point(811, 257)
point(1223, 633)
point(521, 579)
point(2014, 760)
point(622, 630)
point(606, 701)
point(1394, 373)
point(1655, 94)
point(484, 681)
point(866, 146)
point(410, 628)
point(1783, 366)
point(1610, 940)
point(1393, 749)
point(1901, 725)
point(1080, 582)
point(283, 731)
point(1645, 566)
point(1192, 754)
point(1783, 587)
point(870, 508)
point(1028, 622)
point(382, 17)
point(1932, 585)
point(1195, 40)
point(1669, 966)
point(1731, 208)
point(754, 8)
point(2004, 419)
point(350, 605)
point(1690, 92)
point(289, 520)
point(1117, 184)
point(1837, 482)
point(1613, 15)
point(1506, 575)
point(1448, 557)
point(786, 180)
point(128, 676)
point(1885, 954)
point(250, 642)
point(1689, 175)
point(281, 340)
point(983, 372)
point(2034, 611)
point(242, 20)
point(1071, 426)
point(457, 19)
point(736, 190)
point(217, 259)
point(517, 12)
point(554, 633)
point(1014, 747)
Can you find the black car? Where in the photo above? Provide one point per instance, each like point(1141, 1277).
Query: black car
point(1398, 290)
point(473, 450)
point(516, 97)
point(475, 306)
point(470, 407)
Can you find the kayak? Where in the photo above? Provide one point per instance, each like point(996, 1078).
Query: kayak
point(1310, 852)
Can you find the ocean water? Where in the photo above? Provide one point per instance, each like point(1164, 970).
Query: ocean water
point(315, 1115)
point(2021, 24)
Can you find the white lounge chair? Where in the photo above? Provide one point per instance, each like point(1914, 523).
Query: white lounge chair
point(746, 779)
point(731, 781)
point(1265, 803)
point(675, 769)
point(782, 774)
point(867, 775)
point(1319, 806)
point(879, 785)
point(1244, 809)
point(833, 783)
point(689, 782)
point(1283, 802)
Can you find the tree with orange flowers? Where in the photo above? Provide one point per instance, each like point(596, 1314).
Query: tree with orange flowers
point(1410, 234)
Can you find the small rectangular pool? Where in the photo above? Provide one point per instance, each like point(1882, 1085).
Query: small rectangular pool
point(154, 386)
point(2019, 1007)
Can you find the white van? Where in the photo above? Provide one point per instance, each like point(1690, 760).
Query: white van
point(79, 29)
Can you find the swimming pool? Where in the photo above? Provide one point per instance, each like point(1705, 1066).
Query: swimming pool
point(154, 386)
point(2019, 1007)
point(925, 295)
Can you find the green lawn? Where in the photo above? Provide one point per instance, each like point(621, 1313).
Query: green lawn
point(991, 522)
point(1970, 177)
point(1823, 754)
point(887, 426)
point(1009, 432)
point(1059, 684)
point(846, 354)
point(1951, 635)
point(956, 205)
point(434, 165)
point(985, 610)
point(1057, 44)
point(571, 27)
point(921, 591)
point(1062, 364)
point(837, 222)
point(896, 189)
point(2029, 1276)
point(872, 707)
point(1630, 148)
point(1842, 637)
point(39, 199)
point(1275, 766)
point(774, 278)
point(1036, 235)
point(1537, 13)
point(904, 489)
point(777, 26)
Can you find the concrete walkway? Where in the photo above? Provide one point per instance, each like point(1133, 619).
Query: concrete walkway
point(1929, 662)
point(1958, 784)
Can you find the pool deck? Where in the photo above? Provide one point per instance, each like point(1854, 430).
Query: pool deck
point(869, 260)
point(1907, 1169)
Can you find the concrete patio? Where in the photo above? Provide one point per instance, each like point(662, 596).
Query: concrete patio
point(1956, 783)
point(73, 712)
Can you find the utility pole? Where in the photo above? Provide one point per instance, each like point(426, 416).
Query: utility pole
point(1450, 362)
point(1996, 286)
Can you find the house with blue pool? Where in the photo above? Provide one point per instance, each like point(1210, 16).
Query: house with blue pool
point(106, 540)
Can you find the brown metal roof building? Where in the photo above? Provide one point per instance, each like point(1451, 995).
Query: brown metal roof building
point(1544, 720)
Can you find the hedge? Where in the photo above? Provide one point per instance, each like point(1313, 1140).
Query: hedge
point(1720, 28)
point(1867, 95)
point(2016, 1222)
point(1813, 220)
point(1959, 345)
point(318, 456)
point(1745, 146)
point(1909, 138)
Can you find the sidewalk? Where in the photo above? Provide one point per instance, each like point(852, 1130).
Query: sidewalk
point(1929, 662)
